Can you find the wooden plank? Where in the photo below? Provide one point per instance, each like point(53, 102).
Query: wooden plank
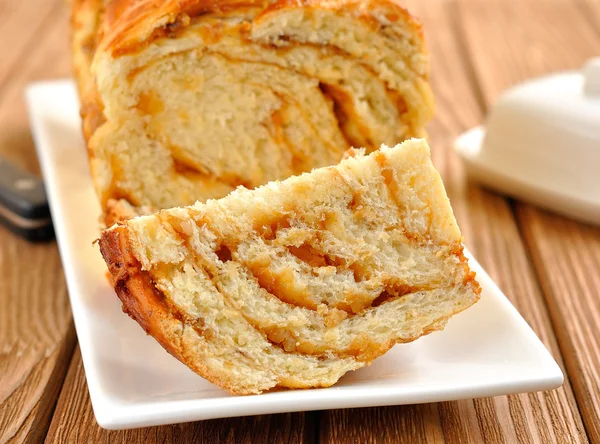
point(36, 334)
point(591, 10)
point(549, 37)
point(20, 25)
point(567, 257)
point(50, 58)
point(509, 42)
point(411, 424)
point(36, 330)
point(74, 422)
point(491, 233)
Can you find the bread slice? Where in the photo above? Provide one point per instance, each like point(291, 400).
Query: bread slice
point(297, 282)
point(186, 100)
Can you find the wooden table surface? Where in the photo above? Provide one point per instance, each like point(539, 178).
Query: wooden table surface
point(547, 265)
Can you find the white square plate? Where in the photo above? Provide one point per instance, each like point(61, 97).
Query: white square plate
point(487, 350)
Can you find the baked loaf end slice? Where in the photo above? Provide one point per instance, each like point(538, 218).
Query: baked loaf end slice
point(185, 100)
point(297, 282)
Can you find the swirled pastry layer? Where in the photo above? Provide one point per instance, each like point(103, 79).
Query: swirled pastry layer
point(295, 283)
point(186, 100)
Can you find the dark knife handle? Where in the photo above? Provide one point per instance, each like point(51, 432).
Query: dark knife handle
point(23, 203)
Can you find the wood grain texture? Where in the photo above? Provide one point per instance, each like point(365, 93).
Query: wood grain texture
point(36, 334)
point(567, 257)
point(36, 331)
point(409, 424)
point(48, 58)
point(74, 422)
point(591, 11)
point(491, 232)
point(512, 41)
point(21, 24)
point(551, 37)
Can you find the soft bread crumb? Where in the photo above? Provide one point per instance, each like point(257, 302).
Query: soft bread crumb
point(297, 282)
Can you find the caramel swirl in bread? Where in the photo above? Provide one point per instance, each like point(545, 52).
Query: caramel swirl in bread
point(186, 100)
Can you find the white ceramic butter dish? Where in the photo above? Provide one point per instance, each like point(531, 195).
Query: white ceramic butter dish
point(541, 143)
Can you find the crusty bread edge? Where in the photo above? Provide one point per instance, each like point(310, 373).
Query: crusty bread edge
point(144, 303)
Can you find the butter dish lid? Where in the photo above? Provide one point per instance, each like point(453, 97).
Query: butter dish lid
point(541, 143)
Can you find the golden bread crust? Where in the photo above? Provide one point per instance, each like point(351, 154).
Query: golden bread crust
point(145, 304)
point(86, 20)
point(130, 24)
